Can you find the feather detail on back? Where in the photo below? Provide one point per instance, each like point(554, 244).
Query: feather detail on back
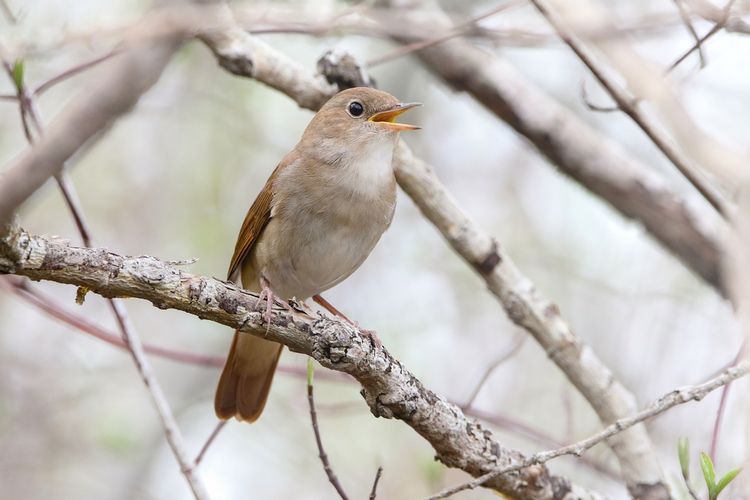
point(255, 221)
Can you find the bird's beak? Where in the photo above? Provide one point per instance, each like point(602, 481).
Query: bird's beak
point(386, 118)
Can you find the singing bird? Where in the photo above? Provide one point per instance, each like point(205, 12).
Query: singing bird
point(315, 221)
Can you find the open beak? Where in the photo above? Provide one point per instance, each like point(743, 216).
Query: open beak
point(386, 118)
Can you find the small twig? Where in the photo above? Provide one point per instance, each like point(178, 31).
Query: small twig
point(209, 441)
point(721, 408)
point(698, 45)
point(623, 101)
point(690, 489)
point(664, 403)
point(43, 87)
point(171, 430)
point(595, 107)
point(374, 490)
point(321, 451)
point(691, 29)
point(21, 289)
point(456, 31)
point(45, 304)
point(509, 353)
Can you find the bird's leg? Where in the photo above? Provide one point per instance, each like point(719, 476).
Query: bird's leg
point(370, 334)
point(271, 298)
point(265, 294)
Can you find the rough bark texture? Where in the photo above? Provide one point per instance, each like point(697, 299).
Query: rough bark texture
point(390, 390)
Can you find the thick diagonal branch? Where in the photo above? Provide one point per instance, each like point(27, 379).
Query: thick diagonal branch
point(129, 75)
point(390, 390)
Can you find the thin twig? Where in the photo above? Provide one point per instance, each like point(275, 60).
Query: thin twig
point(691, 29)
point(172, 432)
point(509, 353)
point(686, 479)
point(456, 31)
point(332, 478)
point(664, 403)
point(21, 289)
point(209, 441)
point(70, 72)
point(721, 408)
point(698, 45)
point(374, 490)
point(45, 304)
point(624, 102)
point(595, 107)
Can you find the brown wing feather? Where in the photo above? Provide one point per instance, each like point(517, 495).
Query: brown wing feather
point(255, 221)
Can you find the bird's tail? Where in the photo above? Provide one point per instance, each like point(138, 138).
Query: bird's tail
point(247, 376)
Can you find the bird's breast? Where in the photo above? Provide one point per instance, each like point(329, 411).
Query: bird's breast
point(323, 231)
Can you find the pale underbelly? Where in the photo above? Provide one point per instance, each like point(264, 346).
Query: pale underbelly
point(319, 258)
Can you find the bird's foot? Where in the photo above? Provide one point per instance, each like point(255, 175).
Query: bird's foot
point(271, 299)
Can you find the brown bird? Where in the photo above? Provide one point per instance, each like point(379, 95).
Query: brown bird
point(314, 222)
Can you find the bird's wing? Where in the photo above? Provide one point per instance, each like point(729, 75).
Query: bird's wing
point(255, 221)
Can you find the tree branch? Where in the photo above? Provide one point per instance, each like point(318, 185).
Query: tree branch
point(389, 389)
point(575, 148)
point(131, 73)
point(625, 102)
point(664, 403)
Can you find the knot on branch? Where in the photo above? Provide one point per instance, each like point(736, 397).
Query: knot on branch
point(342, 69)
point(337, 345)
point(18, 249)
point(490, 261)
point(11, 244)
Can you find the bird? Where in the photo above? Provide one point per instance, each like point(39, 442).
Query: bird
point(316, 219)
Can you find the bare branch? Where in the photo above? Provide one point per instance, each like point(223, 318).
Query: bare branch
point(332, 478)
point(458, 30)
point(71, 72)
point(131, 73)
point(214, 434)
point(389, 389)
point(374, 490)
point(508, 354)
point(664, 403)
point(576, 149)
point(685, 16)
point(624, 102)
point(7, 12)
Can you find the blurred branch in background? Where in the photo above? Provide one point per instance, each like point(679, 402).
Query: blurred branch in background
point(130, 338)
point(636, 190)
point(670, 400)
point(630, 107)
point(389, 388)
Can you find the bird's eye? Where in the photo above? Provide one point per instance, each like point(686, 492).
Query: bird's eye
point(356, 109)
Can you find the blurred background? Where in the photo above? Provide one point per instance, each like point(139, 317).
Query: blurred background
point(174, 179)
